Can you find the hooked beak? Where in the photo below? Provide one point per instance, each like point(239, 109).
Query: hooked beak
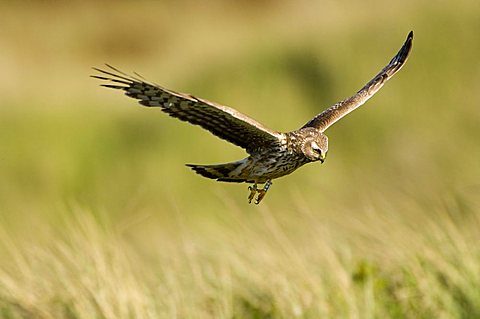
point(322, 157)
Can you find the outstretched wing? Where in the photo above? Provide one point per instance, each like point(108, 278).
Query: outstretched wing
point(331, 115)
point(220, 120)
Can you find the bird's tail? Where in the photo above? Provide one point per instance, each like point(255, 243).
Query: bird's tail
point(229, 172)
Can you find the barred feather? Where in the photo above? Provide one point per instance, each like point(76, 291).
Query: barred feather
point(220, 120)
point(331, 115)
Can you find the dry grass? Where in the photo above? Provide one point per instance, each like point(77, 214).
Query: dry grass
point(377, 263)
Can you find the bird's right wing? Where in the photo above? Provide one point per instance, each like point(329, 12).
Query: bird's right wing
point(220, 120)
point(331, 115)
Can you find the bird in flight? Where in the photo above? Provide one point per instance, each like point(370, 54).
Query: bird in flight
point(272, 154)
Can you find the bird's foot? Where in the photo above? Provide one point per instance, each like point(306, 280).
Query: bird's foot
point(261, 195)
point(253, 190)
point(261, 192)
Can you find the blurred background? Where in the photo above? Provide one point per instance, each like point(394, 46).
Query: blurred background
point(76, 157)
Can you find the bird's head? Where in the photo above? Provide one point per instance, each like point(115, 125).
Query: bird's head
point(315, 147)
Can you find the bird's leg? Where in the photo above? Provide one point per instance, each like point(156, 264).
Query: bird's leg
point(262, 192)
point(253, 190)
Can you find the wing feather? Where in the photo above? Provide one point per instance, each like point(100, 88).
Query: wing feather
point(222, 121)
point(331, 115)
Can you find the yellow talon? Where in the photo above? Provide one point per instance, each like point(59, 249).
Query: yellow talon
point(262, 192)
point(261, 195)
point(253, 190)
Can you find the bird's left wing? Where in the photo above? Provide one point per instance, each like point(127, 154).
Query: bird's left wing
point(331, 115)
point(222, 121)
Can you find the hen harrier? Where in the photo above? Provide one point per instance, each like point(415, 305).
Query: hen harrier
point(272, 154)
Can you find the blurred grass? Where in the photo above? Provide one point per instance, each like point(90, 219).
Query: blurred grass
point(99, 217)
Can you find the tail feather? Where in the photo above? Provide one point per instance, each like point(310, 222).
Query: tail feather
point(222, 172)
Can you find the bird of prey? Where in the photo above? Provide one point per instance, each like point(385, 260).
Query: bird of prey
point(272, 154)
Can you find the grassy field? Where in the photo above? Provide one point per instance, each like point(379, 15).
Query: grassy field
point(99, 218)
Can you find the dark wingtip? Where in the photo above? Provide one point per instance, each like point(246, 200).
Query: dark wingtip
point(111, 86)
point(408, 42)
point(402, 55)
point(99, 77)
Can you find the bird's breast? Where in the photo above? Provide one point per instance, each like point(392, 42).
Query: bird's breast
point(270, 165)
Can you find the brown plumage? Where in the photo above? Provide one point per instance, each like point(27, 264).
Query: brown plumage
point(272, 154)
